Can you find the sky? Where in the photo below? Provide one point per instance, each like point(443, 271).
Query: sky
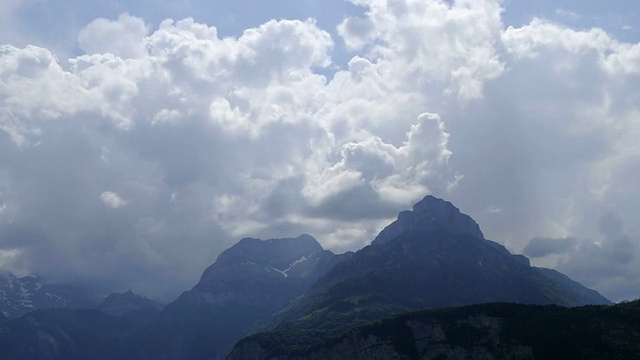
point(140, 138)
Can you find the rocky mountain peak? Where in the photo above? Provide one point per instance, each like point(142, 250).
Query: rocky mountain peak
point(249, 281)
point(254, 258)
point(429, 214)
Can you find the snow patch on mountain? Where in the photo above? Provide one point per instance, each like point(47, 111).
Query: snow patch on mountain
point(19, 296)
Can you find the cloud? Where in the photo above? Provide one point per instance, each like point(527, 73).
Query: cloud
point(159, 146)
point(539, 247)
point(395, 174)
point(431, 41)
point(568, 14)
point(123, 37)
point(609, 261)
point(112, 199)
point(551, 154)
point(8, 33)
point(612, 56)
point(140, 124)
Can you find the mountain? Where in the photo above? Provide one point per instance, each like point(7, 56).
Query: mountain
point(486, 331)
point(19, 296)
point(249, 281)
point(433, 256)
point(134, 307)
point(428, 215)
point(63, 334)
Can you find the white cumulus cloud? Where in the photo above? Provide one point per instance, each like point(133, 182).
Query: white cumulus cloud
point(112, 199)
point(199, 139)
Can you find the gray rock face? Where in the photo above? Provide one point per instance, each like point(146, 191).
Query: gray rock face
point(19, 296)
point(431, 214)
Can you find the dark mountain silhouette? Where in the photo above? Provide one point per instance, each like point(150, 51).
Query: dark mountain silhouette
point(433, 256)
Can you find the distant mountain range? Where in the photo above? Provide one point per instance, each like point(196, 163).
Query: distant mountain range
point(96, 333)
point(295, 296)
point(19, 296)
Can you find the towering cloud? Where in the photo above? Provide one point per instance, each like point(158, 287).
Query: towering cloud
point(158, 145)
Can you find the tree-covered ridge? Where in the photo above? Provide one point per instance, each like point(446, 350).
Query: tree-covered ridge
point(487, 331)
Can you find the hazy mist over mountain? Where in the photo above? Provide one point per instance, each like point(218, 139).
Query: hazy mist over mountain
point(140, 139)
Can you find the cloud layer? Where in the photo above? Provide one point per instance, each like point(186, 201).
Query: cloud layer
point(135, 163)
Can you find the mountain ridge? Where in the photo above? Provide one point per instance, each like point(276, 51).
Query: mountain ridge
point(432, 256)
point(418, 262)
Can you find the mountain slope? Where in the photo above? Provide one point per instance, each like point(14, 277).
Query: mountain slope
point(61, 334)
point(248, 282)
point(487, 331)
point(433, 256)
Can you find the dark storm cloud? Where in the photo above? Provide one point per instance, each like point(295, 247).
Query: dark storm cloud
point(539, 247)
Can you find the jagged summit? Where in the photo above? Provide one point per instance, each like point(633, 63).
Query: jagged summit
point(430, 214)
